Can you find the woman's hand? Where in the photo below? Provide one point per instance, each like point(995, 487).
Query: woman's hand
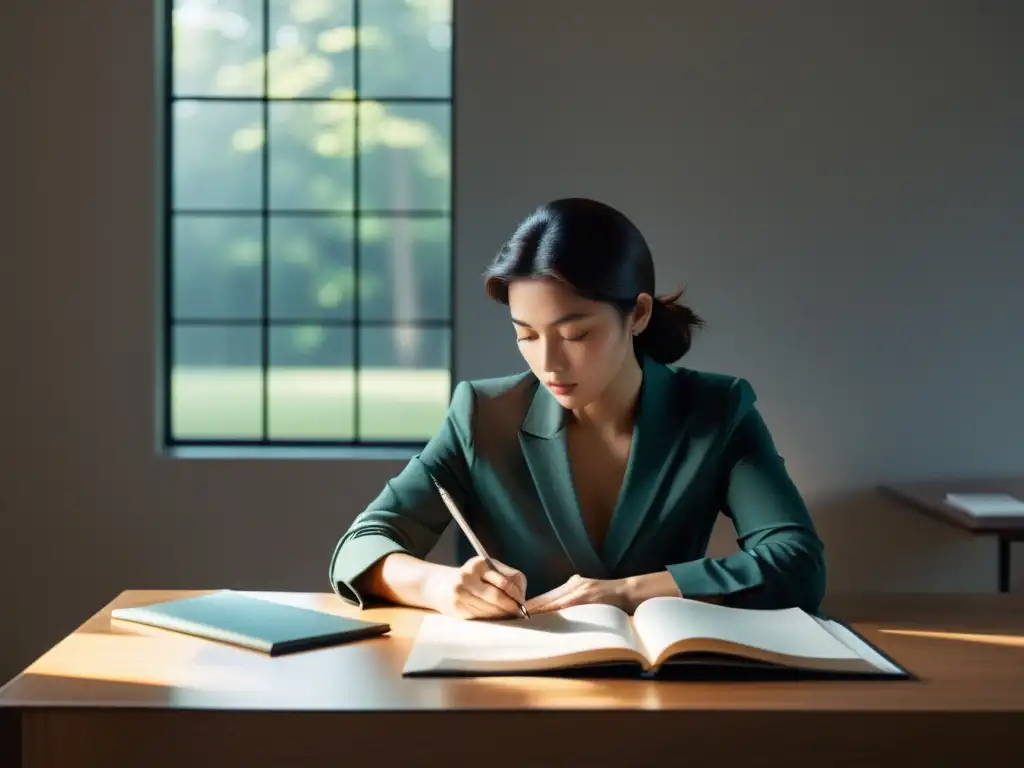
point(474, 591)
point(580, 591)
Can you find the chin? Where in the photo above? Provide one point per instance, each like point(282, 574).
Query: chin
point(573, 399)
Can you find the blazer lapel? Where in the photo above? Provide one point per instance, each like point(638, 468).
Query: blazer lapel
point(542, 438)
point(657, 434)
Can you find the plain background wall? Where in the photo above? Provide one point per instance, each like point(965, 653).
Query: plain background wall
point(840, 189)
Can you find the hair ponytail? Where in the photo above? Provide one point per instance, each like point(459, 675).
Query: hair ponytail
point(670, 329)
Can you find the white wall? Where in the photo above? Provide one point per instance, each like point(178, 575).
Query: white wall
point(841, 192)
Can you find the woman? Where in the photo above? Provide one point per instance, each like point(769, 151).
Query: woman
point(597, 476)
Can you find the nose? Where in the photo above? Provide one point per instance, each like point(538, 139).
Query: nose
point(553, 357)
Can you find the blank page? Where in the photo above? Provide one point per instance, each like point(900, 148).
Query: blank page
point(663, 621)
point(444, 641)
point(864, 650)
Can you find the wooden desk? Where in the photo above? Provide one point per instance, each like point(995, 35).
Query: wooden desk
point(929, 497)
point(127, 695)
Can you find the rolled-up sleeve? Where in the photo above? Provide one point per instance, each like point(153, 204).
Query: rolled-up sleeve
point(780, 562)
point(408, 515)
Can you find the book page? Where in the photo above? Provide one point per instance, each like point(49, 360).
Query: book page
point(862, 649)
point(447, 643)
point(663, 621)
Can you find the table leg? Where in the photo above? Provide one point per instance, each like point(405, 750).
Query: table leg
point(1004, 564)
point(10, 737)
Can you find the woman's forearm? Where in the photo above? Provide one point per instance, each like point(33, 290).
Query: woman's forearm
point(403, 579)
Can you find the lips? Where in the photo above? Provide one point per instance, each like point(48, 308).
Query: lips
point(560, 389)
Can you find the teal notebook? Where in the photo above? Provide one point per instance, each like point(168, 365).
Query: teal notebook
point(251, 622)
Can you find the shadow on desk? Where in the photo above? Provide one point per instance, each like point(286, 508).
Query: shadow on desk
point(702, 671)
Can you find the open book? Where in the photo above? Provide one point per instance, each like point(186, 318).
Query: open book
point(662, 630)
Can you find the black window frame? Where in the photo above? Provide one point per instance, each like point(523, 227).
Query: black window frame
point(167, 212)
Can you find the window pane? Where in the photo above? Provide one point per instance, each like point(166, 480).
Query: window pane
point(405, 156)
point(311, 383)
point(219, 186)
point(217, 267)
point(311, 48)
point(311, 148)
point(218, 48)
point(404, 268)
point(406, 48)
point(218, 161)
point(404, 383)
point(311, 268)
point(217, 383)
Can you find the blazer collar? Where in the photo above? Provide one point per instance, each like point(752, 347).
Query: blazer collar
point(546, 418)
point(542, 438)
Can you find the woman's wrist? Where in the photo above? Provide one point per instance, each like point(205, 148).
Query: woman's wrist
point(633, 590)
point(403, 579)
point(434, 584)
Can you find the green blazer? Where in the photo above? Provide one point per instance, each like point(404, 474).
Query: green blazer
point(700, 448)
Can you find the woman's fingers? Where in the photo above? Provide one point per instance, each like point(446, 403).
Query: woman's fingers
point(474, 605)
point(559, 603)
point(478, 581)
point(548, 600)
point(516, 579)
point(508, 586)
point(497, 597)
point(508, 580)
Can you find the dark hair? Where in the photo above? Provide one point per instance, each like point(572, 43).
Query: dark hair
point(602, 256)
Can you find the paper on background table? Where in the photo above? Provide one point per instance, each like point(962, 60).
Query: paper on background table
point(986, 504)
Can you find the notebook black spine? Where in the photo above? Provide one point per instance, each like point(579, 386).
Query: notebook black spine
point(321, 641)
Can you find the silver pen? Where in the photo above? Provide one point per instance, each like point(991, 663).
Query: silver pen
point(473, 540)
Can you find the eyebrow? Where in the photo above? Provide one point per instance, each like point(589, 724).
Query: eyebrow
point(572, 316)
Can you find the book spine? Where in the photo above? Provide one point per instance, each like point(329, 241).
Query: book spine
point(196, 629)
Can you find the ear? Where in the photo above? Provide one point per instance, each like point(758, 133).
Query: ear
point(641, 314)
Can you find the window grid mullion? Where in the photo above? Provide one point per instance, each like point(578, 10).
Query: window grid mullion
point(316, 99)
point(324, 322)
point(168, 225)
point(357, 55)
point(313, 213)
point(265, 234)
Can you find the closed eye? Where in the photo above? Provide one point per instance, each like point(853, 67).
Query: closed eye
point(579, 337)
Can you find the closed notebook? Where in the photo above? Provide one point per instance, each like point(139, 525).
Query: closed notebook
point(662, 631)
point(251, 622)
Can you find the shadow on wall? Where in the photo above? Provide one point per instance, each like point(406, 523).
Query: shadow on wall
point(874, 544)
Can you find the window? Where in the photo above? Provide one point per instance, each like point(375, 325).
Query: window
point(308, 295)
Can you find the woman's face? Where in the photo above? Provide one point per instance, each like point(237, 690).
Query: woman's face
point(574, 346)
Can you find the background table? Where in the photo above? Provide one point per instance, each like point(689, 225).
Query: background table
point(929, 497)
point(113, 693)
